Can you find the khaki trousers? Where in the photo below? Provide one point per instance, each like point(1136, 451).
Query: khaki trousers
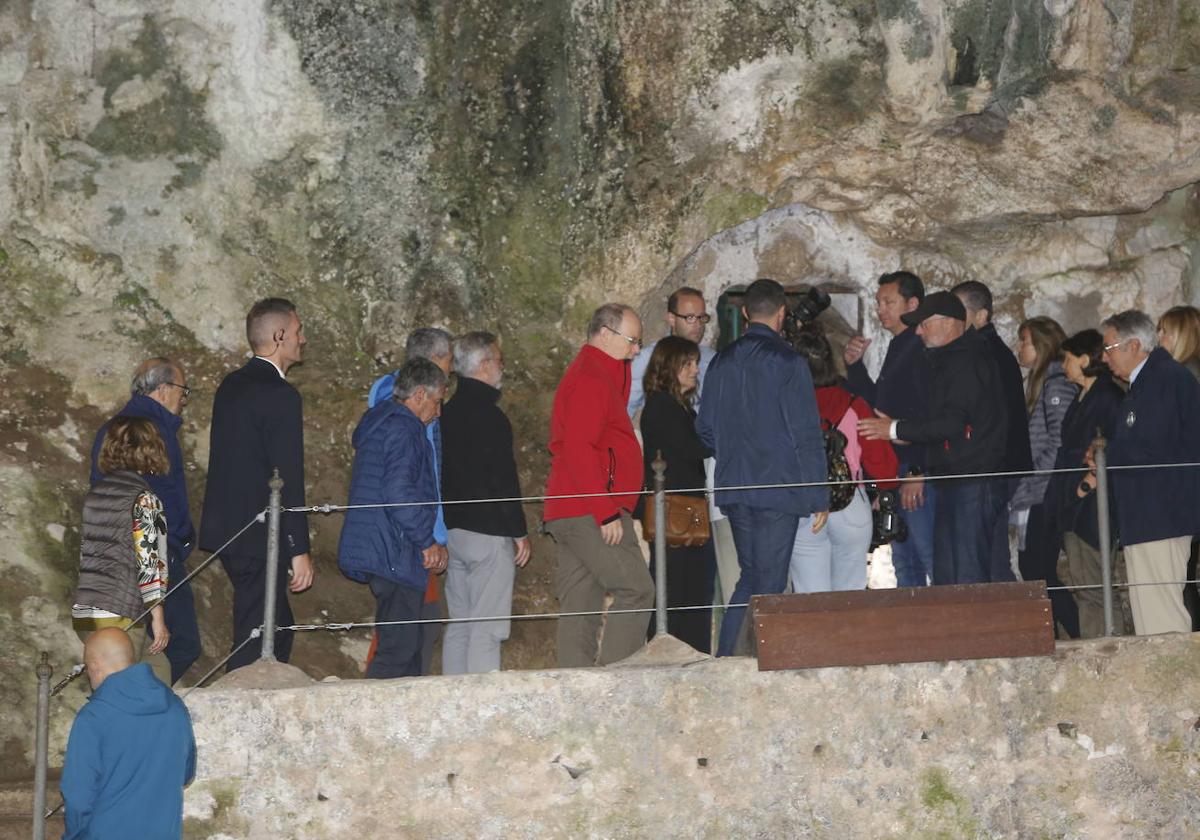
point(588, 569)
point(158, 662)
point(1159, 609)
point(1080, 566)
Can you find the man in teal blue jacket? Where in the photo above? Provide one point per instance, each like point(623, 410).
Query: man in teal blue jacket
point(131, 750)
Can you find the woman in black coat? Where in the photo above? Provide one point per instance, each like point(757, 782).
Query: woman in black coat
point(1070, 501)
point(668, 426)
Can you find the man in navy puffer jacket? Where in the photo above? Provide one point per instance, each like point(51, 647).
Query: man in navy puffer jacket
point(393, 549)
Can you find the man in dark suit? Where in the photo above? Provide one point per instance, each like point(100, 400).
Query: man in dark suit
point(257, 427)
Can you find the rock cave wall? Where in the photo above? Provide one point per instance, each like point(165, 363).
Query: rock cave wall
point(509, 166)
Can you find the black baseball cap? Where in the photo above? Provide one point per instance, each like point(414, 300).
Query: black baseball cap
point(937, 303)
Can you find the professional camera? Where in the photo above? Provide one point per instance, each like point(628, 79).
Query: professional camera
point(814, 302)
point(887, 525)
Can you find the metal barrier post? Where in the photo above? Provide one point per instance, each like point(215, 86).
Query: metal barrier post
point(1100, 454)
point(273, 512)
point(41, 749)
point(660, 545)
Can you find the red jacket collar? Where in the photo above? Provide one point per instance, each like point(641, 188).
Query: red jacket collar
point(615, 369)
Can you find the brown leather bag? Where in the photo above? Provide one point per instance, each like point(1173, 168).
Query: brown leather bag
point(686, 520)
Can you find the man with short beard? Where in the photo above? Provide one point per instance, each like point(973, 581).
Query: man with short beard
point(487, 542)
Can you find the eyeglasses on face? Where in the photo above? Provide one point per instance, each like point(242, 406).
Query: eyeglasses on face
point(636, 342)
point(691, 319)
point(1108, 348)
point(187, 391)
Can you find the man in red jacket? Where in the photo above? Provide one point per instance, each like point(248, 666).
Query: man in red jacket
point(594, 451)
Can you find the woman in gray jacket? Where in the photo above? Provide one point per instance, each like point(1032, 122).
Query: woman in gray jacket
point(1048, 395)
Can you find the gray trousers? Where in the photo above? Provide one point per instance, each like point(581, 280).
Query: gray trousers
point(479, 582)
point(588, 569)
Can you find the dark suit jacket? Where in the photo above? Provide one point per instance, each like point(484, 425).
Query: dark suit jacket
point(1018, 454)
point(257, 426)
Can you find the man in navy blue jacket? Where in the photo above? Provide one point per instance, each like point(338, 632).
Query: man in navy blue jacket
point(393, 549)
point(1157, 510)
point(902, 390)
point(159, 393)
point(759, 417)
point(131, 749)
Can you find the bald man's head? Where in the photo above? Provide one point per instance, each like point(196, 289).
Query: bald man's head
point(106, 652)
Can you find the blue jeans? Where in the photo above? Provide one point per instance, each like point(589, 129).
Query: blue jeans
point(964, 530)
point(835, 559)
point(913, 558)
point(764, 541)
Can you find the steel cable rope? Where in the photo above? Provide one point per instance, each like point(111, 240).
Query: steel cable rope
point(79, 668)
point(332, 508)
point(338, 626)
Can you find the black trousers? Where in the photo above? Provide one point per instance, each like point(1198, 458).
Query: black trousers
point(180, 613)
point(1039, 561)
point(398, 653)
point(691, 571)
point(249, 578)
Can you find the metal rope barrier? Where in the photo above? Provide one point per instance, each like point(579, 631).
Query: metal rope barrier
point(80, 667)
point(332, 508)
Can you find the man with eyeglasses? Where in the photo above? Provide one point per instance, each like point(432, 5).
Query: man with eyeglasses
point(1157, 511)
point(158, 393)
point(595, 477)
point(687, 318)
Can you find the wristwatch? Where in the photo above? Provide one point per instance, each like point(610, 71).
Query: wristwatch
point(915, 472)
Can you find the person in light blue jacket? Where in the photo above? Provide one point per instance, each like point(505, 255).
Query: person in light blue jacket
point(131, 750)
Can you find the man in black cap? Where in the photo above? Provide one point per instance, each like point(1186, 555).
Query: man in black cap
point(964, 429)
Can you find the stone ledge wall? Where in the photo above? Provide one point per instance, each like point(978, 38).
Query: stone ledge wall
point(1100, 740)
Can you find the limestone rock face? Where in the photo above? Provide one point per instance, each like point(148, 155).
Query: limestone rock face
point(1099, 740)
point(509, 166)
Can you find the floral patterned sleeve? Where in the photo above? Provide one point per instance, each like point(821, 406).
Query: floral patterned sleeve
point(149, 526)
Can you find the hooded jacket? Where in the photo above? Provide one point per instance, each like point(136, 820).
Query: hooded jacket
point(393, 462)
point(592, 443)
point(130, 753)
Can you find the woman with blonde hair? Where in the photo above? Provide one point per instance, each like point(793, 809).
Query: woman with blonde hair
point(123, 544)
point(1179, 335)
point(1048, 395)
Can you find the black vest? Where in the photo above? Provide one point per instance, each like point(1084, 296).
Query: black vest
point(108, 569)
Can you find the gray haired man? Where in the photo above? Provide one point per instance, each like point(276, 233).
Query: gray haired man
point(1156, 509)
point(487, 541)
point(159, 392)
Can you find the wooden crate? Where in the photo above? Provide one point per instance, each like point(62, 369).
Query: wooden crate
point(880, 626)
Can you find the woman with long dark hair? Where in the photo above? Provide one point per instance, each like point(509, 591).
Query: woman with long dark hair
point(835, 558)
point(669, 426)
point(1048, 395)
point(1070, 499)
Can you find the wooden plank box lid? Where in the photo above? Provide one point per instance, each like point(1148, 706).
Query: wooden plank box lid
point(883, 626)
